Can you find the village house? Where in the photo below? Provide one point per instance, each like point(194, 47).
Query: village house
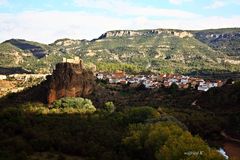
point(156, 81)
point(219, 83)
point(100, 76)
point(167, 84)
point(148, 83)
point(203, 87)
point(141, 78)
point(132, 80)
point(118, 75)
point(184, 80)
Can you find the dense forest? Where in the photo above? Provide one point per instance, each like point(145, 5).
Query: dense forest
point(119, 121)
point(72, 128)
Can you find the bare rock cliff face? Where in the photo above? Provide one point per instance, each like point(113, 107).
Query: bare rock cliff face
point(132, 33)
point(70, 80)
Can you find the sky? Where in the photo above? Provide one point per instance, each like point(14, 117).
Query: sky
point(48, 20)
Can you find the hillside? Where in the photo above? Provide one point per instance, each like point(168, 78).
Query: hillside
point(164, 50)
point(26, 55)
point(225, 40)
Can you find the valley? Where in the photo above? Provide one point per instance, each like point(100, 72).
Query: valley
point(129, 94)
point(207, 117)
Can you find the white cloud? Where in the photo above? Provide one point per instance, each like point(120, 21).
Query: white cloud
point(50, 25)
point(47, 26)
point(130, 9)
point(216, 4)
point(178, 2)
point(3, 2)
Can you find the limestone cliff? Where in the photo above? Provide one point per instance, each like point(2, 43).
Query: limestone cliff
point(70, 80)
point(132, 33)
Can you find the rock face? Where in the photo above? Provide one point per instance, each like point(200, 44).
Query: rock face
point(132, 33)
point(70, 80)
point(223, 40)
point(68, 42)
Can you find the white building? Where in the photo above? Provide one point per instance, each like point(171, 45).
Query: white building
point(203, 87)
point(148, 83)
point(184, 81)
point(201, 83)
point(100, 76)
point(215, 84)
point(173, 80)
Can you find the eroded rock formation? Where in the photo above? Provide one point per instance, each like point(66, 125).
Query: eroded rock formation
point(70, 80)
point(132, 33)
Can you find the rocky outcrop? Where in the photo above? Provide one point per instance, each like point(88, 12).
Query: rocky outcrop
point(131, 33)
point(70, 80)
point(120, 33)
point(68, 42)
point(224, 40)
point(183, 34)
point(236, 62)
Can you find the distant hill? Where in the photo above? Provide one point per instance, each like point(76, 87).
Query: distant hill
point(38, 50)
point(225, 40)
point(165, 50)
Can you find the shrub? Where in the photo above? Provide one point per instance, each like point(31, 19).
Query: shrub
point(141, 114)
point(109, 107)
point(73, 105)
point(64, 105)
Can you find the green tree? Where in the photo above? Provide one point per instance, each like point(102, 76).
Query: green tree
point(166, 141)
point(173, 88)
point(109, 107)
point(140, 114)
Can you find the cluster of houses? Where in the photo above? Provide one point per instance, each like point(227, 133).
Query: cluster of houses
point(160, 80)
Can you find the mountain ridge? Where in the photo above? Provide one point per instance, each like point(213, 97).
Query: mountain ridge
point(167, 50)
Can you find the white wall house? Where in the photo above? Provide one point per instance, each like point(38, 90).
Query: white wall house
point(203, 87)
point(173, 80)
point(148, 84)
point(184, 81)
point(99, 76)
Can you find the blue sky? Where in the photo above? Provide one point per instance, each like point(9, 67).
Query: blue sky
point(48, 20)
